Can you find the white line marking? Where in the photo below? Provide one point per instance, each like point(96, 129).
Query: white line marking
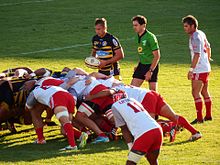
point(79, 45)
point(26, 2)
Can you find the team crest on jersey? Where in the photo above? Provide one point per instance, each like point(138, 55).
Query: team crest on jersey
point(115, 42)
point(96, 42)
point(144, 42)
point(140, 49)
point(104, 43)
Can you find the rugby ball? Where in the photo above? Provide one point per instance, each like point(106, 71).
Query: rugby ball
point(92, 62)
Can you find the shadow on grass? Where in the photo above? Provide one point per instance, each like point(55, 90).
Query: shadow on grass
point(176, 143)
point(15, 152)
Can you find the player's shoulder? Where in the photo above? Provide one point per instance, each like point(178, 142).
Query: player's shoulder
point(149, 33)
point(95, 37)
point(198, 34)
point(111, 36)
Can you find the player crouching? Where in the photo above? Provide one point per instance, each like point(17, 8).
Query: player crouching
point(141, 132)
point(62, 103)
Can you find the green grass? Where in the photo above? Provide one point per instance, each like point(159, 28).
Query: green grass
point(31, 27)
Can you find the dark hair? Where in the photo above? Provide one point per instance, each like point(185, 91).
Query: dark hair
point(101, 21)
point(191, 20)
point(140, 19)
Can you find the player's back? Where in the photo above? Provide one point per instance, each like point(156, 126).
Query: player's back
point(44, 94)
point(134, 92)
point(135, 116)
point(49, 81)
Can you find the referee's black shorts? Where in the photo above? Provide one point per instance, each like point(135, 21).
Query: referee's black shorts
point(142, 69)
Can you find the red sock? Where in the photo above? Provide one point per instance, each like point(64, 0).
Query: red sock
point(208, 106)
point(102, 134)
point(39, 132)
point(184, 123)
point(77, 133)
point(198, 104)
point(105, 126)
point(70, 134)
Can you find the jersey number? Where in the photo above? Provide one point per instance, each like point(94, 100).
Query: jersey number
point(137, 108)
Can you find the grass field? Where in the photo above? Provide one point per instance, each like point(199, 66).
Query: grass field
point(57, 33)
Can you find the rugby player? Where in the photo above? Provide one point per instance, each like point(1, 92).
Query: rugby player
point(142, 133)
point(107, 48)
point(200, 67)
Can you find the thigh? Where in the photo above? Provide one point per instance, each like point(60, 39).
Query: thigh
point(167, 112)
point(137, 82)
point(197, 86)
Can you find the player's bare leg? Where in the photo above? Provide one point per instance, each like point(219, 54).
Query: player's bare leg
point(166, 111)
point(65, 119)
point(208, 102)
point(137, 82)
point(153, 86)
point(197, 86)
point(38, 124)
point(86, 121)
point(152, 157)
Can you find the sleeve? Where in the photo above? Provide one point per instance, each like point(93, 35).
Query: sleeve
point(119, 121)
point(93, 41)
point(115, 43)
point(31, 101)
point(153, 43)
point(196, 44)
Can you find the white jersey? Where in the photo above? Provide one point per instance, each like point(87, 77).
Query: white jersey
point(109, 82)
point(130, 112)
point(91, 86)
point(198, 43)
point(43, 95)
point(133, 92)
point(80, 85)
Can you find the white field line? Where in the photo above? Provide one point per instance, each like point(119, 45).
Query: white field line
point(25, 2)
point(79, 45)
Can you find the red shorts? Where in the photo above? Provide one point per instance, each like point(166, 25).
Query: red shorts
point(149, 141)
point(204, 77)
point(64, 99)
point(153, 102)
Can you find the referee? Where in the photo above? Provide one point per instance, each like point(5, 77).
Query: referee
point(149, 54)
point(107, 48)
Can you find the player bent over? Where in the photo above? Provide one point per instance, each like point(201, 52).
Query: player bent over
point(141, 132)
point(62, 103)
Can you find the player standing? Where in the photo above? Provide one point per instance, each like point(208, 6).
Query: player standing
point(149, 54)
point(200, 67)
point(107, 48)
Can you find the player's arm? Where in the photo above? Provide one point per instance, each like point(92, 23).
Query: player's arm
point(80, 71)
point(127, 136)
point(39, 72)
point(196, 44)
point(67, 84)
point(103, 93)
point(93, 53)
point(156, 53)
point(193, 65)
point(98, 75)
point(119, 54)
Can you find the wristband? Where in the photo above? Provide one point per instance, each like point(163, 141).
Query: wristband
point(130, 145)
point(191, 69)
